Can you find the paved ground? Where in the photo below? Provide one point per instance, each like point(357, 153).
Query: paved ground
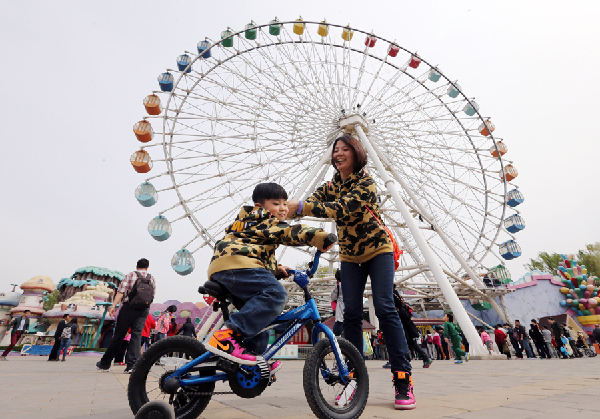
point(31, 387)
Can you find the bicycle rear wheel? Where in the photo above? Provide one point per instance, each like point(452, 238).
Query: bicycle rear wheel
point(327, 395)
point(158, 363)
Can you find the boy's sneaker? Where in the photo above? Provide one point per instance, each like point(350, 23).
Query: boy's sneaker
point(403, 384)
point(99, 367)
point(427, 364)
point(458, 361)
point(345, 397)
point(275, 366)
point(467, 356)
point(226, 343)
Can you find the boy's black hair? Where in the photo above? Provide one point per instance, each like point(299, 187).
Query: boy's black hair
point(450, 317)
point(65, 316)
point(27, 311)
point(142, 264)
point(264, 191)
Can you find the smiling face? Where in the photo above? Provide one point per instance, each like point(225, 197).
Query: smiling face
point(277, 207)
point(343, 157)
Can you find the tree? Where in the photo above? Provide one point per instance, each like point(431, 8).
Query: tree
point(50, 299)
point(548, 262)
point(545, 262)
point(590, 257)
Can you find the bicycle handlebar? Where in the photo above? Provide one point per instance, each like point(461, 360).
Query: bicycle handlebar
point(314, 264)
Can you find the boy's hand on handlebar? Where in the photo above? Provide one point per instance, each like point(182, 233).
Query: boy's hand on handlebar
point(328, 242)
point(283, 271)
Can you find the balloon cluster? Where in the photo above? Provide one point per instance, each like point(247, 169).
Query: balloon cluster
point(580, 289)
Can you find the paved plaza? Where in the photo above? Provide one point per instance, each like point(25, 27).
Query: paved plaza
point(31, 387)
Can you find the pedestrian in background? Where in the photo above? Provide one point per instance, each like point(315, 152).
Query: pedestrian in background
point(148, 326)
point(68, 333)
point(454, 338)
point(61, 325)
point(19, 326)
point(538, 340)
point(136, 292)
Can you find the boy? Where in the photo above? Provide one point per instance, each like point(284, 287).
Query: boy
point(454, 339)
point(244, 262)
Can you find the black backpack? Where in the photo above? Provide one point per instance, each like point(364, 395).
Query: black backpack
point(142, 292)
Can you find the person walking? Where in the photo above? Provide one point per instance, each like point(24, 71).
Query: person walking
point(486, 340)
point(187, 329)
point(66, 336)
point(136, 292)
point(547, 334)
point(337, 303)
point(59, 328)
point(501, 340)
point(523, 339)
point(365, 250)
point(405, 313)
point(513, 335)
point(430, 345)
point(172, 327)
point(558, 332)
point(454, 338)
point(437, 344)
point(148, 326)
point(120, 356)
point(596, 334)
point(19, 325)
point(164, 322)
point(538, 340)
point(445, 349)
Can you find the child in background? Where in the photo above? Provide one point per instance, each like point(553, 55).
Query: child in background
point(454, 339)
point(487, 341)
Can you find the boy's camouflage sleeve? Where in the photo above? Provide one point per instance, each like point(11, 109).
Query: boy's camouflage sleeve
point(280, 232)
point(363, 193)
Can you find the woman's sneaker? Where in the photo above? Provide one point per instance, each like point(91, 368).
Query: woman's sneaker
point(427, 364)
point(345, 397)
point(403, 385)
point(226, 343)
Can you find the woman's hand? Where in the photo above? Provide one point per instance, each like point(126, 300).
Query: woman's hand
point(326, 249)
point(292, 207)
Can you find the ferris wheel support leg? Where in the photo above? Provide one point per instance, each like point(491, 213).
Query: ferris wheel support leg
point(452, 299)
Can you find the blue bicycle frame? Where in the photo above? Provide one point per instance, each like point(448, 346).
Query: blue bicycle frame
point(300, 315)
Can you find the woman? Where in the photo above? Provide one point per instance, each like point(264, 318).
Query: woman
point(365, 251)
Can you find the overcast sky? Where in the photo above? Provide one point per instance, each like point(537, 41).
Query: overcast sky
point(74, 75)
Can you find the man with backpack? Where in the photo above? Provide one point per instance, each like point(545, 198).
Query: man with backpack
point(136, 293)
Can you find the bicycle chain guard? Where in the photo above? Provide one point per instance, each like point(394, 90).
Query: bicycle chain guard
point(250, 385)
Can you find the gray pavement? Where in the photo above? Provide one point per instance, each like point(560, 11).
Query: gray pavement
point(31, 387)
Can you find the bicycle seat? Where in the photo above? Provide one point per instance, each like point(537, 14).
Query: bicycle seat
point(214, 289)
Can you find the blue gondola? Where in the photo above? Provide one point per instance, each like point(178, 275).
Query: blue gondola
point(183, 262)
point(514, 223)
point(515, 197)
point(183, 63)
point(510, 249)
point(165, 81)
point(203, 49)
point(160, 228)
point(434, 75)
point(146, 194)
point(454, 91)
point(470, 108)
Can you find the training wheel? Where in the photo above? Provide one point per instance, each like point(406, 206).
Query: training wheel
point(157, 409)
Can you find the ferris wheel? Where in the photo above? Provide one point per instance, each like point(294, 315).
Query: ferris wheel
point(266, 103)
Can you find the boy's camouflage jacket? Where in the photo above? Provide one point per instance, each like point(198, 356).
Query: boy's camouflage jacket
point(251, 240)
point(360, 236)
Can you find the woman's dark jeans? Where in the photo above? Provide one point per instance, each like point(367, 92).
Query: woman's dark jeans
point(354, 277)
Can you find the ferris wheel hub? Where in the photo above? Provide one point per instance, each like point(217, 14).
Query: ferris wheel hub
point(348, 123)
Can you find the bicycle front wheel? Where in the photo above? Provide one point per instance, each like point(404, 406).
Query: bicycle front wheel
point(156, 365)
point(327, 395)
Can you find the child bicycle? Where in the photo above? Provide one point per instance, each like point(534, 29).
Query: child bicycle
point(179, 370)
